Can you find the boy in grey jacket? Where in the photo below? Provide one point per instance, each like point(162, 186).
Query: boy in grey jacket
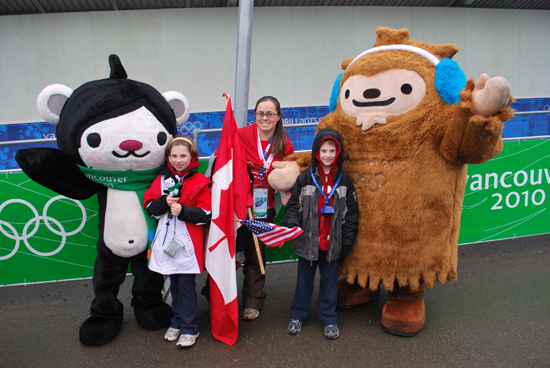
point(324, 205)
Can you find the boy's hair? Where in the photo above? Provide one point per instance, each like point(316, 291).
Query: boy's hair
point(182, 141)
point(330, 142)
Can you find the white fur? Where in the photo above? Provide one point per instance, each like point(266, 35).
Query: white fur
point(124, 222)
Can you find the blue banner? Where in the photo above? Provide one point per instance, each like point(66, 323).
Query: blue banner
point(521, 126)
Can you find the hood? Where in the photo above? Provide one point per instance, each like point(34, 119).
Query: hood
point(320, 136)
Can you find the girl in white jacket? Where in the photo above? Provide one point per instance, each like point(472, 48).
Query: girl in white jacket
point(177, 248)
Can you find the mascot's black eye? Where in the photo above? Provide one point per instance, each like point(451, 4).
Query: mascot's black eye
point(94, 140)
point(406, 89)
point(162, 138)
point(347, 94)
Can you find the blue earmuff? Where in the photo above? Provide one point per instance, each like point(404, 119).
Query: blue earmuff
point(334, 93)
point(449, 80)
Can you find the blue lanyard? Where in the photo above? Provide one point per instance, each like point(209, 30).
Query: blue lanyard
point(265, 158)
point(327, 208)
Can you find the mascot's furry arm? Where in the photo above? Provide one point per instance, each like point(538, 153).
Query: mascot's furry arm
point(475, 134)
point(55, 170)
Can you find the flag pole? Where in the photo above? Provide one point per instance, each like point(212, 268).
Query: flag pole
point(257, 244)
point(250, 217)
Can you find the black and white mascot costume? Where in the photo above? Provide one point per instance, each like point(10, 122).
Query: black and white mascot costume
point(111, 134)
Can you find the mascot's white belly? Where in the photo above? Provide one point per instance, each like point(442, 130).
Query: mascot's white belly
point(125, 232)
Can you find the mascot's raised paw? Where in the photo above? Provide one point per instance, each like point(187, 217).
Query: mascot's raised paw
point(284, 174)
point(490, 95)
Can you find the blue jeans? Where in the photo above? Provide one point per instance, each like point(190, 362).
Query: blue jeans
point(184, 303)
point(328, 289)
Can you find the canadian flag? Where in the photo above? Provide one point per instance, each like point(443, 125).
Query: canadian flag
point(230, 188)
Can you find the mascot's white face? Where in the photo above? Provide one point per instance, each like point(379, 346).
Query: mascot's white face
point(134, 141)
point(372, 99)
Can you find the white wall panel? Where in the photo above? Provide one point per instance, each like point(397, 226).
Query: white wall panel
point(296, 51)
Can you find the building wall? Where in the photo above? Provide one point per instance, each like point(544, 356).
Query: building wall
point(296, 51)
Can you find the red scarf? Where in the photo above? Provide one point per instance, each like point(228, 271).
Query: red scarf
point(327, 180)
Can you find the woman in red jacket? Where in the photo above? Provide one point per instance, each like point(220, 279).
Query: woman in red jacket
point(263, 142)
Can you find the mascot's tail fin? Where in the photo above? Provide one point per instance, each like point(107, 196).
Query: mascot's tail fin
point(117, 70)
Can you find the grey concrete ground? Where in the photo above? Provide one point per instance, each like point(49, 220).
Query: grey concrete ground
point(495, 315)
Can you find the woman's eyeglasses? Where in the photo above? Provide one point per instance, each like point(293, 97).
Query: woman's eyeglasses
point(261, 114)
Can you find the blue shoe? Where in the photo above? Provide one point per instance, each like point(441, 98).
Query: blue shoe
point(331, 332)
point(294, 327)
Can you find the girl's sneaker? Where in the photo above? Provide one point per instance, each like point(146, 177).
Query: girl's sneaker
point(331, 332)
point(294, 327)
point(187, 340)
point(172, 334)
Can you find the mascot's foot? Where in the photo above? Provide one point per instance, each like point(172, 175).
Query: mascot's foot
point(154, 318)
point(353, 296)
point(405, 311)
point(96, 331)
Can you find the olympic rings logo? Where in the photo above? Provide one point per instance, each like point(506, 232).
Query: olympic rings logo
point(187, 128)
point(373, 182)
point(36, 221)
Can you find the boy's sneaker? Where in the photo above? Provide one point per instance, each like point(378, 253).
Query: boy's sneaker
point(250, 314)
point(331, 332)
point(187, 340)
point(294, 327)
point(172, 334)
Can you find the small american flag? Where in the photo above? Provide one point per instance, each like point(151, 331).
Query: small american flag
point(272, 235)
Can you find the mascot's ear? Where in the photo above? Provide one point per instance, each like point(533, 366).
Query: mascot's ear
point(51, 100)
point(179, 104)
point(334, 93)
point(449, 80)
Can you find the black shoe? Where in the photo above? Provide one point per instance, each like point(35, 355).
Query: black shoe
point(96, 331)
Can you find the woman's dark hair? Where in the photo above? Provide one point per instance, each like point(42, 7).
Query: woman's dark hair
point(279, 136)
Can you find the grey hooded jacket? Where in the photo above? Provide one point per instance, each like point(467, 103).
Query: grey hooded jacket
point(302, 208)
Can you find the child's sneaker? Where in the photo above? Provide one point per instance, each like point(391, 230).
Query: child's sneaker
point(294, 327)
point(331, 332)
point(187, 340)
point(172, 334)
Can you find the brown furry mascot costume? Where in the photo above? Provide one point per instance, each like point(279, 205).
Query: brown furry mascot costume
point(411, 123)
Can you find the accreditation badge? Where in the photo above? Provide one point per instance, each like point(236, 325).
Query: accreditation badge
point(260, 203)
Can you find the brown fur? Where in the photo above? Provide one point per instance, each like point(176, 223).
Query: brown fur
point(410, 174)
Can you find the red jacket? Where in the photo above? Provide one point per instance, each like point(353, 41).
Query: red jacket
point(249, 142)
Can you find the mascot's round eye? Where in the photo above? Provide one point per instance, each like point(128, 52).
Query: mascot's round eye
point(162, 138)
point(406, 89)
point(347, 94)
point(94, 140)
